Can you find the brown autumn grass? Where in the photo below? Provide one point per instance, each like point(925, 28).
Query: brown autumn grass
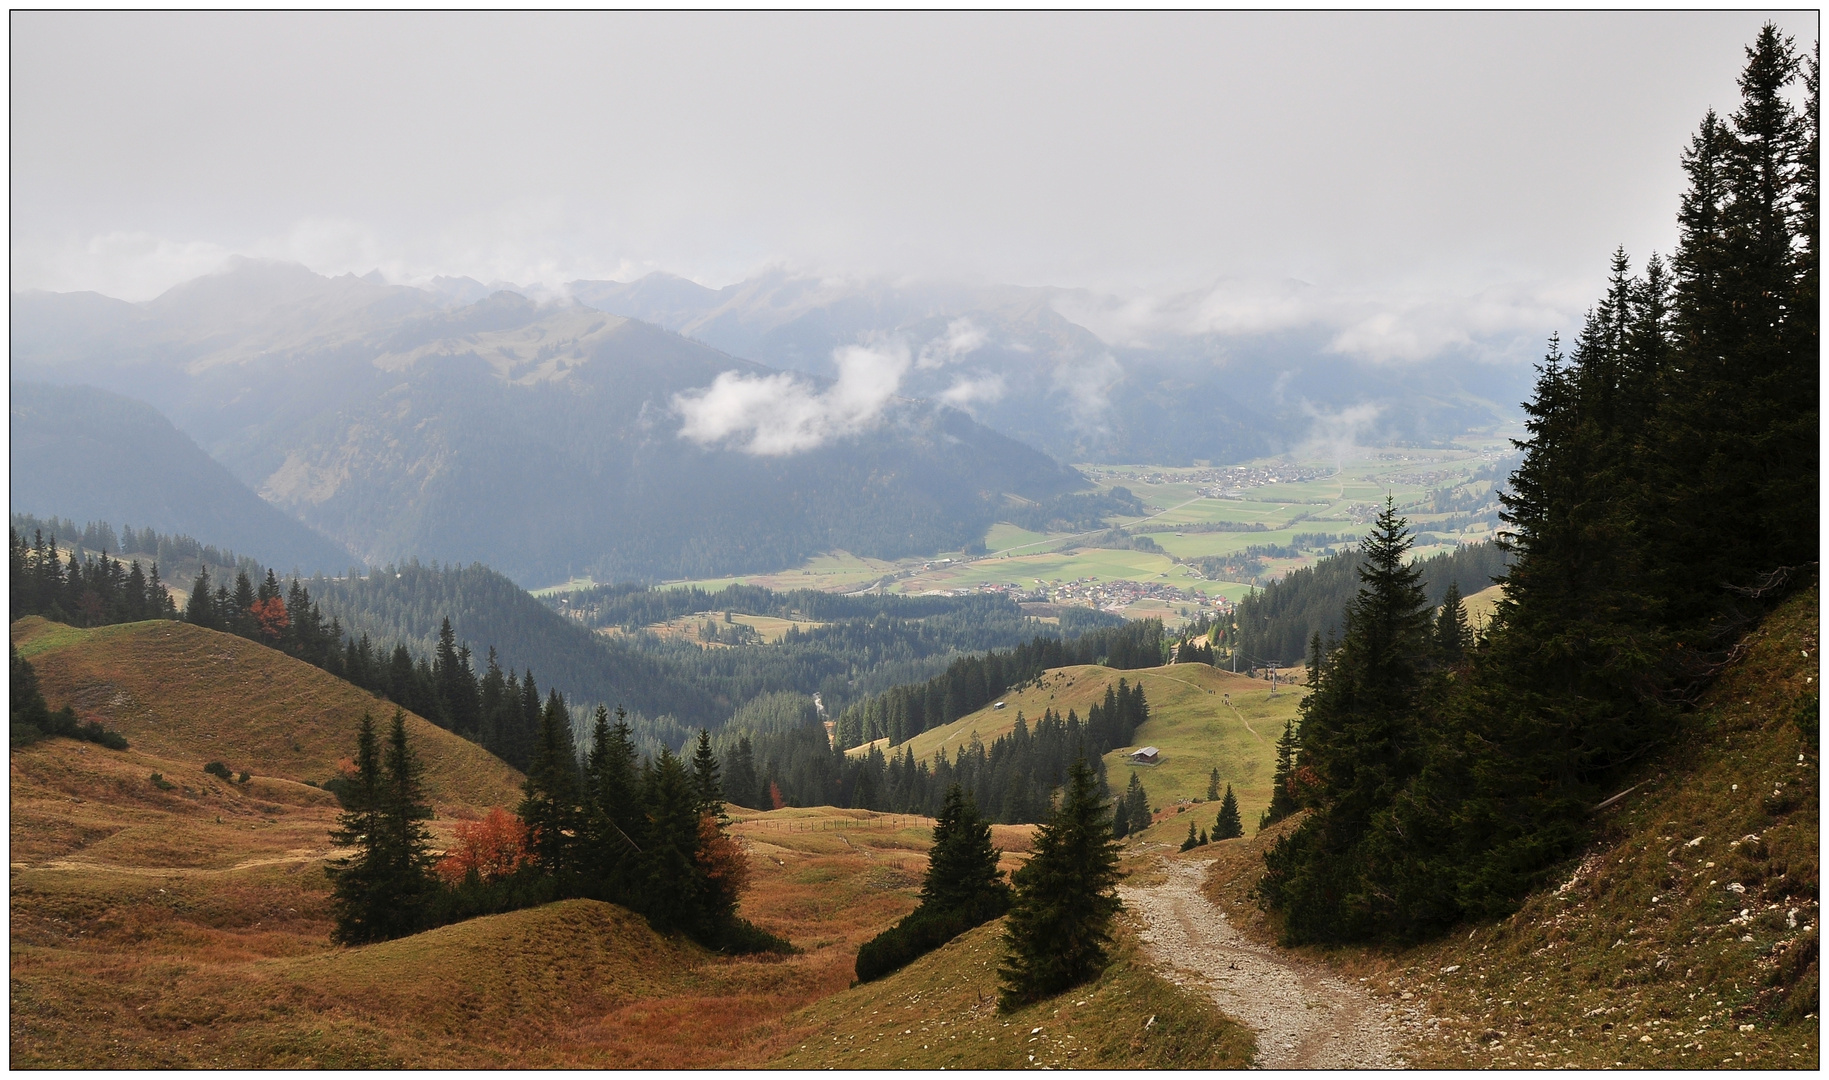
point(1685, 936)
point(183, 693)
point(941, 1013)
point(189, 927)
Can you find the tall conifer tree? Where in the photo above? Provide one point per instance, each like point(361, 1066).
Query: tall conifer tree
point(1060, 921)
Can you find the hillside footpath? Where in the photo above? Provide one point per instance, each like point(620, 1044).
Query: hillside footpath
point(1304, 1014)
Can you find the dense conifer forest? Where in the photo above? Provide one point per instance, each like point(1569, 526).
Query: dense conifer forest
point(650, 836)
point(1668, 497)
point(87, 590)
point(1276, 623)
point(776, 752)
point(972, 682)
point(180, 555)
point(865, 643)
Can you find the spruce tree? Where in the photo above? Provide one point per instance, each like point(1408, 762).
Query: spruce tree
point(1134, 807)
point(614, 816)
point(1451, 633)
point(1361, 738)
point(550, 804)
point(358, 900)
point(240, 609)
point(1065, 898)
point(705, 778)
point(1228, 825)
point(674, 892)
point(201, 610)
point(742, 785)
point(1141, 817)
point(408, 883)
point(1282, 795)
point(1193, 840)
point(962, 872)
point(1213, 784)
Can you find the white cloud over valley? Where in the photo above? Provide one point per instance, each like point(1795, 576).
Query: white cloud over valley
point(777, 415)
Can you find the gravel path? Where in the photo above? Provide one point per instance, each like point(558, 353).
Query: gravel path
point(1305, 1016)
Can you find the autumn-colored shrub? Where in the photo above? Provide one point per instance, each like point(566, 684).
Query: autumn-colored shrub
point(271, 617)
point(493, 847)
point(724, 861)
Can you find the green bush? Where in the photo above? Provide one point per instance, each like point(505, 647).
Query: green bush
point(217, 768)
point(161, 783)
point(921, 933)
point(32, 719)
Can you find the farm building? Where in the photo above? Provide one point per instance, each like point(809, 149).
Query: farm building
point(1149, 755)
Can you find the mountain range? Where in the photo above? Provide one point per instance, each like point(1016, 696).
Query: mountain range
point(544, 439)
point(658, 429)
point(1027, 362)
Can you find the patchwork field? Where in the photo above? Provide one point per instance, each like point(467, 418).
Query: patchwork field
point(768, 629)
point(1313, 505)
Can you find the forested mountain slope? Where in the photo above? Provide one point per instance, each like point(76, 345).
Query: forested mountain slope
point(1666, 504)
point(91, 455)
point(1276, 624)
point(1685, 934)
point(860, 645)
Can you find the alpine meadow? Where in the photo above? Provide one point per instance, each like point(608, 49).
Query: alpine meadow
point(1248, 561)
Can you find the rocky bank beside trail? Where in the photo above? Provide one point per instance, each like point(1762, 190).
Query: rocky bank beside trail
point(1305, 1016)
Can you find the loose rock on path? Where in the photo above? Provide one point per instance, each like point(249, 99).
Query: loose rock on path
point(1305, 1016)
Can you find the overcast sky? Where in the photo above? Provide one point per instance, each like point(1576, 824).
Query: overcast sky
point(1431, 156)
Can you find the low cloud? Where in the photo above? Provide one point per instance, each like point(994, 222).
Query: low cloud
point(1385, 326)
point(1338, 436)
point(962, 337)
point(968, 390)
point(1086, 384)
point(777, 415)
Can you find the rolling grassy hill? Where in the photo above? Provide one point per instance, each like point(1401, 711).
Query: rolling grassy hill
point(189, 927)
point(940, 1012)
point(185, 694)
point(1190, 723)
point(1684, 936)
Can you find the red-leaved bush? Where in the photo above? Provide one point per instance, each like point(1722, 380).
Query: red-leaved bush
point(724, 861)
point(494, 847)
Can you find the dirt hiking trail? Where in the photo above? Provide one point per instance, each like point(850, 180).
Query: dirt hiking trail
point(1305, 1016)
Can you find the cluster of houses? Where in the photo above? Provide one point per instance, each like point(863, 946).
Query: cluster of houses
point(1120, 594)
point(1217, 482)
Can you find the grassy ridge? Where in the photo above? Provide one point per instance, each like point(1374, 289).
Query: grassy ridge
point(1641, 957)
point(183, 693)
point(188, 928)
point(1189, 722)
point(941, 1012)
